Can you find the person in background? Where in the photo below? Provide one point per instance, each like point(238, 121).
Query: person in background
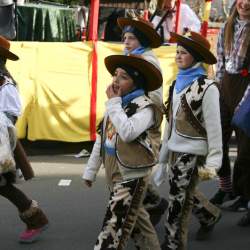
point(123, 146)
point(233, 67)
point(139, 37)
point(193, 139)
point(188, 20)
point(10, 108)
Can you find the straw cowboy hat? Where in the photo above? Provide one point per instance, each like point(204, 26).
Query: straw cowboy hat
point(152, 75)
point(198, 43)
point(5, 50)
point(144, 27)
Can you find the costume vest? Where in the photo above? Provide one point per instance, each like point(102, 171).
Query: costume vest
point(189, 116)
point(139, 153)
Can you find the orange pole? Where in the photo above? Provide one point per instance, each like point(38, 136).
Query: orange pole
point(145, 14)
point(178, 7)
point(93, 36)
point(93, 20)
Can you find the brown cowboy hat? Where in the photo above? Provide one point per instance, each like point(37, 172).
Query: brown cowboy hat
point(198, 43)
point(4, 50)
point(152, 75)
point(143, 26)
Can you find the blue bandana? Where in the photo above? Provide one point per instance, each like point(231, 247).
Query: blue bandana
point(137, 51)
point(185, 77)
point(132, 95)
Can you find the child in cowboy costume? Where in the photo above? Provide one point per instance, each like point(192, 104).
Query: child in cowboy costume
point(124, 148)
point(193, 139)
point(10, 108)
point(139, 37)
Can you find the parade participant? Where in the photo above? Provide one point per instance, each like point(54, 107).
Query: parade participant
point(233, 69)
point(123, 146)
point(139, 37)
point(10, 109)
point(188, 20)
point(193, 140)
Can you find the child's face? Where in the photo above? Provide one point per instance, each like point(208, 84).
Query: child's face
point(168, 4)
point(183, 58)
point(122, 82)
point(243, 8)
point(130, 41)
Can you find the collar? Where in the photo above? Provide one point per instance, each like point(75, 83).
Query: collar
point(137, 51)
point(132, 95)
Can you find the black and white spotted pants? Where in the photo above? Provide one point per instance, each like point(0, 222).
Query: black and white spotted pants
point(184, 198)
point(125, 217)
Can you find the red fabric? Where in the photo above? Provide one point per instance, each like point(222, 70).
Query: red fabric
point(204, 28)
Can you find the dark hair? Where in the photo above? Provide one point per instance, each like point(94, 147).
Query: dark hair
point(197, 57)
point(138, 34)
point(137, 76)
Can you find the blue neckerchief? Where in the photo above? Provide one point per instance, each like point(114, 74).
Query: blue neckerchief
point(132, 95)
point(109, 150)
point(186, 76)
point(137, 51)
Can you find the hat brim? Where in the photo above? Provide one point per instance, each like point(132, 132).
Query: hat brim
point(149, 32)
point(206, 54)
point(7, 54)
point(153, 77)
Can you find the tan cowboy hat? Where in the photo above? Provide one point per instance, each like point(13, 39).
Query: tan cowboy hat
point(5, 50)
point(143, 26)
point(152, 75)
point(198, 43)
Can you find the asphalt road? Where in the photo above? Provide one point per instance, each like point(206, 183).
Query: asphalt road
point(76, 212)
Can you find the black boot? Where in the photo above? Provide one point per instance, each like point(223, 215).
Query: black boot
point(205, 231)
point(245, 220)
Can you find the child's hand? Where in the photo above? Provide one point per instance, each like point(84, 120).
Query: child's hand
point(113, 91)
point(88, 183)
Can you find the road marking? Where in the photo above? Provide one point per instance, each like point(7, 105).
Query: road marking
point(64, 182)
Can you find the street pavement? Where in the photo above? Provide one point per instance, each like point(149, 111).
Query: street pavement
point(76, 212)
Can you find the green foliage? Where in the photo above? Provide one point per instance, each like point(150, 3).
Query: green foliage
point(63, 2)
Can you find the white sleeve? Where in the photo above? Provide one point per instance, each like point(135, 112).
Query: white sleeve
point(94, 162)
point(161, 171)
point(163, 155)
point(211, 112)
point(10, 100)
point(129, 128)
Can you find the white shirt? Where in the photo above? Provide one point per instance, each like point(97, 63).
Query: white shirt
point(188, 19)
point(10, 99)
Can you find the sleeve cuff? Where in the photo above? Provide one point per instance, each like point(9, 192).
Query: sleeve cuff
point(89, 175)
point(113, 101)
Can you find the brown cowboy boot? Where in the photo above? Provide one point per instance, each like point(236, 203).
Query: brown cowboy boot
point(36, 222)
